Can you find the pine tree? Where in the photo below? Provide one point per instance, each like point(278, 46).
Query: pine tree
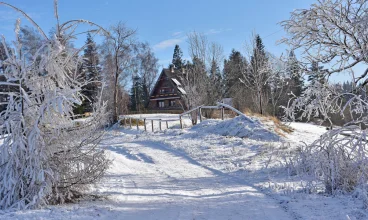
point(91, 72)
point(177, 60)
point(316, 74)
point(233, 72)
point(258, 75)
point(258, 60)
point(138, 95)
point(216, 88)
point(294, 72)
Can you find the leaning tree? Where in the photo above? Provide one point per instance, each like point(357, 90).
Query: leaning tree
point(44, 156)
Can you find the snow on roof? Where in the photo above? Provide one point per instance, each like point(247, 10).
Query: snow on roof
point(176, 82)
point(227, 101)
point(182, 91)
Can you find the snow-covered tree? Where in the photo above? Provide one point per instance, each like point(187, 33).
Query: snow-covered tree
point(3, 56)
point(294, 72)
point(331, 32)
point(91, 71)
point(316, 73)
point(44, 158)
point(334, 32)
point(279, 83)
point(257, 75)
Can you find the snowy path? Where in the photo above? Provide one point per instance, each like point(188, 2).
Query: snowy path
point(152, 181)
point(200, 173)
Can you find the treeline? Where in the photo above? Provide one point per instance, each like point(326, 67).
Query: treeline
point(107, 69)
point(254, 79)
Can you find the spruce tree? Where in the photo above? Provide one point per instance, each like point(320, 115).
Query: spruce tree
point(233, 72)
point(258, 74)
point(91, 73)
point(316, 73)
point(138, 95)
point(177, 60)
point(258, 59)
point(216, 82)
point(294, 72)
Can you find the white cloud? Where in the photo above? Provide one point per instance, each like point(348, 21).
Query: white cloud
point(179, 37)
point(167, 43)
point(176, 34)
point(217, 31)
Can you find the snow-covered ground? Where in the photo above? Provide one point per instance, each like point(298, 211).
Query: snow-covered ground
point(216, 170)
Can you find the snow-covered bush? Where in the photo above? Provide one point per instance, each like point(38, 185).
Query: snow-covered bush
point(43, 157)
point(338, 159)
point(332, 32)
point(317, 101)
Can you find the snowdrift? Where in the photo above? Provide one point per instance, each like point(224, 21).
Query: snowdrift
point(240, 126)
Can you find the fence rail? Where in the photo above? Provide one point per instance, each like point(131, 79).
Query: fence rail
point(125, 119)
point(198, 111)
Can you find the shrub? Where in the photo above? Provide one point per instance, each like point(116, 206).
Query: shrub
point(338, 159)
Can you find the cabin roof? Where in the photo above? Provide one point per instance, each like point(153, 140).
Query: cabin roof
point(174, 78)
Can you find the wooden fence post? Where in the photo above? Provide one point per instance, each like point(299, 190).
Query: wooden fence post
point(222, 112)
point(160, 125)
point(145, 127)
point(200, 114)
point(137, 124)
point(181, 123)
point(152, 125)
point(130, 122)
point(167, 125)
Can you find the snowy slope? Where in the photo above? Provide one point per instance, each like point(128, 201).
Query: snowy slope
point(210, 171)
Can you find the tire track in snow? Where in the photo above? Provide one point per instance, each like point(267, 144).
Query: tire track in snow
point(215, 188)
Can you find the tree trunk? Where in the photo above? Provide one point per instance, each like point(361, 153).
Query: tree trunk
point(115, 115)
point(260, 102)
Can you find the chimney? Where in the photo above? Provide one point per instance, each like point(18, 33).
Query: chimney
point(172, 68)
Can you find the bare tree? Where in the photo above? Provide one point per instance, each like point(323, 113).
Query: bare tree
point(278, 83)
point(194, 80)
point(198, 46)
point(332, 32)
point(119, 50)
point(202, 77)
point(147, 68)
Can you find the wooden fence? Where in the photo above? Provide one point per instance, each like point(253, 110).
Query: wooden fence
point(127, 120)
point(130, 121)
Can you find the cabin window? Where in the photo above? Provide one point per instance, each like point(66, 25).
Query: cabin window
point(161, 104)
point(172, 103)
point(166, 90)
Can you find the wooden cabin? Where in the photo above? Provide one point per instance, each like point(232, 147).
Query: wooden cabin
point(167, 92)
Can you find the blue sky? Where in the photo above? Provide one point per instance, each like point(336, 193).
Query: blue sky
point(164, 23)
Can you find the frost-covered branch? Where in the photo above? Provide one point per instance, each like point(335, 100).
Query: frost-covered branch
point(44, 158)
point(332, 32)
